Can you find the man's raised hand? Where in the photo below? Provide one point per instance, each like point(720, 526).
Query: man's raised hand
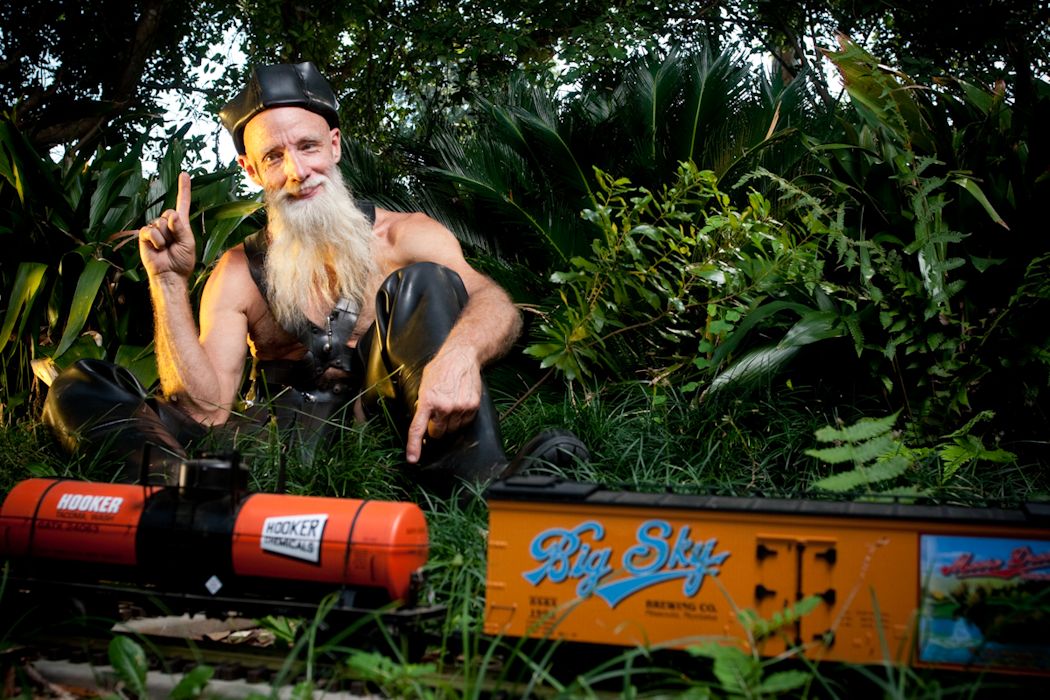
point(166, 243)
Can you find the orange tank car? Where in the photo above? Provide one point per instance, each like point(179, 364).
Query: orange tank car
point(207, 537)
point(332, 540)
point(921, 583)
point(71, 520)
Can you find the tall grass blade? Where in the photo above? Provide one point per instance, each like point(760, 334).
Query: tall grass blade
point(28, 280)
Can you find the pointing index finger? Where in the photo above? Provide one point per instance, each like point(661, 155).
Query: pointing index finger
point(414, 443)
point(182, 201)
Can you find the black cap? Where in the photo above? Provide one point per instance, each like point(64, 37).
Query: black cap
point(283, 85)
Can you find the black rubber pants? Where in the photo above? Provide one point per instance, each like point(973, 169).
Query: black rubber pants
point(98, 406)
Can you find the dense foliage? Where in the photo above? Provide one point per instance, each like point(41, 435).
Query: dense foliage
point(79, 74)
point(403, 63)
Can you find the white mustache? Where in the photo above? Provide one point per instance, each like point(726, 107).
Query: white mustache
point(287, 194)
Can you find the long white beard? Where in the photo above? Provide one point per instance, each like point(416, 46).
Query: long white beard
point(320, 251)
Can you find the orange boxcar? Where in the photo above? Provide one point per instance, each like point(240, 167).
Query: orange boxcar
point(927, 585)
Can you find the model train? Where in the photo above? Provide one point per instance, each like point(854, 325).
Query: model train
point(856, 582)
point(208, 544)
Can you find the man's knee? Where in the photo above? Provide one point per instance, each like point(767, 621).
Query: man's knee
point(419, 281)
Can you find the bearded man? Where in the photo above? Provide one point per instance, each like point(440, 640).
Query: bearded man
point(345, 308)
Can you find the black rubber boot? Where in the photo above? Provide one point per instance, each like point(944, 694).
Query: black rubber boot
point(553, 447)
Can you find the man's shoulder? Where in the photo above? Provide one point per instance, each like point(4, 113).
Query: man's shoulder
point(397, 226)
point(384, 218)
point(230, 287)
point(235, 257)
point(232, 269)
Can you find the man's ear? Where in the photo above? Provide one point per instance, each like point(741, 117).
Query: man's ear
point(250, 169)
point(337, 143)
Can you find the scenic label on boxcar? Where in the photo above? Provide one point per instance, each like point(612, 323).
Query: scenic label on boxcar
point(296, 536)
point(660, 553)
point(1022, 563)
point(984, 601)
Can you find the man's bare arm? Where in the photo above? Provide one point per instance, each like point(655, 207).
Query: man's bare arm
point(199, 372)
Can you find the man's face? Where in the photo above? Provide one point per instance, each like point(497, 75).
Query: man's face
point(290, 149)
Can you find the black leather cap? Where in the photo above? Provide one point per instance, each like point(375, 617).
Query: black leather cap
point(283, 85)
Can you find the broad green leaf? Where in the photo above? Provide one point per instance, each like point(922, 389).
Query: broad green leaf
point(28, 281)
point(882, 99)
point(83, 347)
point(303, 690)
point(542, 349)
point(125, 211)
point(783, 682)
point(812, 327)
point(192, 684)
point(735, 670)
point(83, 299)
point(129, 661)
point(565, 277)
point(171, 163)
point(982, 264)
point(752, 319)
point(584, 264)
point(140, 361)
point(111, 181)
point(39, 469)
point(227, 217)
point(979, 97)
point(10, 167)
point(709, 272)
point(752, 366)
point(647, 230)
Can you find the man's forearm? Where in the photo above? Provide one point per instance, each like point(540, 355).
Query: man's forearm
point(488, 325)
point(186, 374)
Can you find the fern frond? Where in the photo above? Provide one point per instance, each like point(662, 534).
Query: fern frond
point(864, 429)
point(859, 452)
point(854, 479)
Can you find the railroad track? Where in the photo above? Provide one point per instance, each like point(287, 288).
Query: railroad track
point(243, 657)
point(72, 663)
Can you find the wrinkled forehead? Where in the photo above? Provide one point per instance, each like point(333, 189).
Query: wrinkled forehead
point(281, 127)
